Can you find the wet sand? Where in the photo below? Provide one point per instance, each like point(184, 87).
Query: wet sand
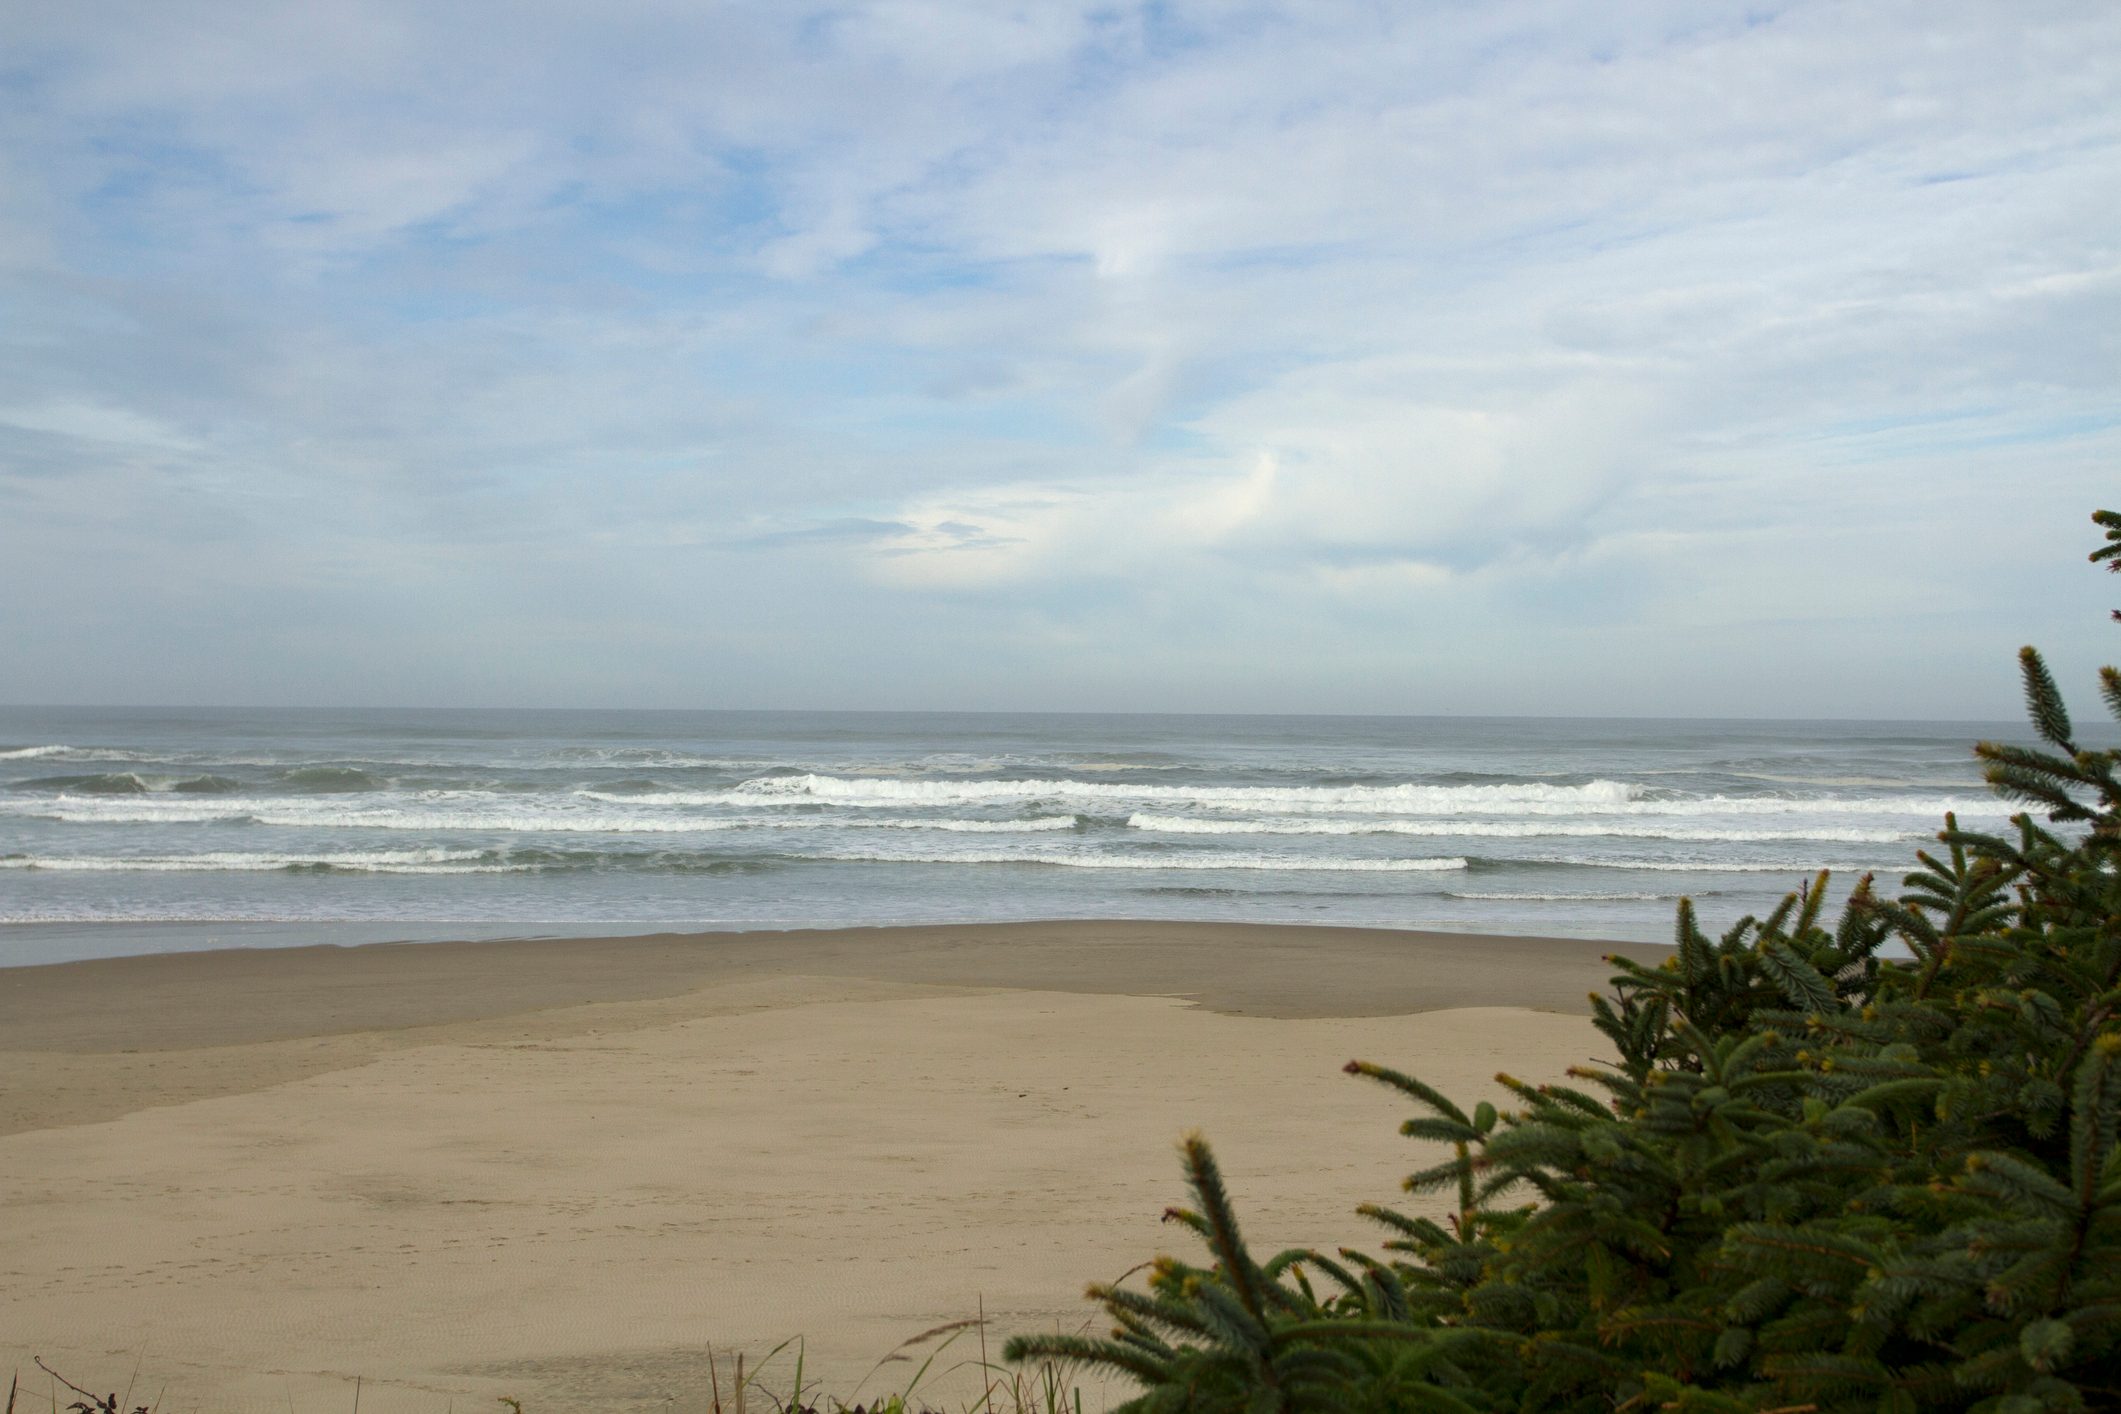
point(563, 1170)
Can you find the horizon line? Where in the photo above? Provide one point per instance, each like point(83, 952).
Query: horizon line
point(981, 712)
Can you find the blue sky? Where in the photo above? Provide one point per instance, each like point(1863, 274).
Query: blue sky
point(1643, 358)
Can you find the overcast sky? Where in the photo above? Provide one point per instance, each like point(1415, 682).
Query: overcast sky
point(1634, 358)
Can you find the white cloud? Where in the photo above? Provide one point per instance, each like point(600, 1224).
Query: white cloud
point(1154, 324)
point(94, 423)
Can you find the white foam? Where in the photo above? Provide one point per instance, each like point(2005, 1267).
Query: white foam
point(1503, 829)
point(1413, 799)
point(61, 752)
point(1928, 807)
point(498, 822)
point(1702, 866)
point(1535, 798)
point(505, 815)
point(1188, 861)
point(296, 814)
point(1562, 898)
point(403, 861)
point(1036, 824)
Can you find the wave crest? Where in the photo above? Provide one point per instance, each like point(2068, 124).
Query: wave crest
point(396, 861)
point(1148, 862)
point(1502, 829)
point(1402, 799)
point(107, 783)
point(297, 813)
point(1509, 897)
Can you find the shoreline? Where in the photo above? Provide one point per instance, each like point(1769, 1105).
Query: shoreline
point(42, 942)
point(563, 1169)
point(1264, 969)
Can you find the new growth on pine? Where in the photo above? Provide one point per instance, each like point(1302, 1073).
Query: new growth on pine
point(1816, 1177)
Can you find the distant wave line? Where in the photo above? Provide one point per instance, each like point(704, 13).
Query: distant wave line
point(1194, 825)
point(840, 790)
point(1508, 897)
point(425, 861)
point(1182, 862)
point(1600, 797)
point(285, 815)
point(478, 861)
point(1701, 866)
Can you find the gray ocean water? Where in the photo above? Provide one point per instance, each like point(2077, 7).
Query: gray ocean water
point(274, 827)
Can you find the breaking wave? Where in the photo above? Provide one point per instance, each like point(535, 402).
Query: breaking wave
point(1511, 897)
point(1699, 866)
point(1501, 829)
point(108, 783)
point(1404, 799)
point(786, 820)
point(447, 861)
point(131, 783)
point(400, 861)
point(59, 751)
point(1192, 861)
point(300, 814)
point(1596, 798)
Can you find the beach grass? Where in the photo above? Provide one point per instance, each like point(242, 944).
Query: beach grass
point(775, 1383)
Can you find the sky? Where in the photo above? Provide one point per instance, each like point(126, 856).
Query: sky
point(1633, 358)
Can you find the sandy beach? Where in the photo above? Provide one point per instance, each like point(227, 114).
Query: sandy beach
point(564, 1170)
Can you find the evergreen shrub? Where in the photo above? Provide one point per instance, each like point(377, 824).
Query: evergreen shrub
point(1817, 1176)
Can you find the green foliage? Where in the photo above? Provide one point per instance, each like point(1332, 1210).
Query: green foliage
point(1817, 1176)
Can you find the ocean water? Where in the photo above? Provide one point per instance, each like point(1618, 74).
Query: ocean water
point(267, 827)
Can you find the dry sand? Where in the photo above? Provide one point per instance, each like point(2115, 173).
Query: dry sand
point(563, 1170)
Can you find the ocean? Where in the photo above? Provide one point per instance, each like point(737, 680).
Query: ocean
point(260, 828)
